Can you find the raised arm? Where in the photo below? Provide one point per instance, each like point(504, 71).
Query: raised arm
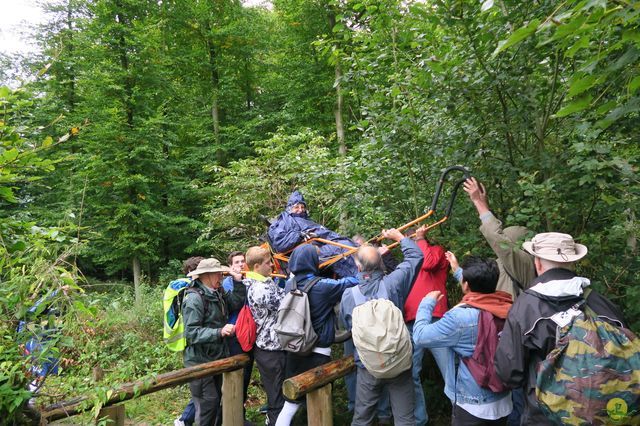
point(402, 278)
point(433, 254)
point(235, 299)
point(442, 333)
point(517, 263)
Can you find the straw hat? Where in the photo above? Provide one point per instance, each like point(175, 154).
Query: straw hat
point(556, 247)
point(207, 266)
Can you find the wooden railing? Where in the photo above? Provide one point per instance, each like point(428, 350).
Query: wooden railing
point(232, 392)
point(316, 385)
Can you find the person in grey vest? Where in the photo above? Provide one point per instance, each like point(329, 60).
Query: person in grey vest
point(397, 286)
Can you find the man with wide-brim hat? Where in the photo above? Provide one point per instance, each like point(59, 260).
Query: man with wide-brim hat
point(529, 334)
point(205, 311)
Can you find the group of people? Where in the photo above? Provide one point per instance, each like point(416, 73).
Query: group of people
point(524, 283)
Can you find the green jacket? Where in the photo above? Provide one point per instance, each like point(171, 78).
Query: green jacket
point(204, 342)
point(513, 261)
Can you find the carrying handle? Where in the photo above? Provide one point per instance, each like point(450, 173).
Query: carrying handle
point(434, 202)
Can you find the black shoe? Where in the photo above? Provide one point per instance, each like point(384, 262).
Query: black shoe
point(264, 409)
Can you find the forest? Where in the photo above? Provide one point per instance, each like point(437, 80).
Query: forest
point(143, 132)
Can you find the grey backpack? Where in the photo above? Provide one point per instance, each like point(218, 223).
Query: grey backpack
point(293, 326)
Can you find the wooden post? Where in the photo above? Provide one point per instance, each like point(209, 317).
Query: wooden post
point(233, 398)
point(113, 414)
point(319, 407)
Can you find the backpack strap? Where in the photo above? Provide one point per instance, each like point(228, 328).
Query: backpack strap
point(360, 298)
point(205, 303)
point(310, 284)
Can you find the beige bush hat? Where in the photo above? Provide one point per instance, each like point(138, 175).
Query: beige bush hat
point(207, 266)
point(556, 247)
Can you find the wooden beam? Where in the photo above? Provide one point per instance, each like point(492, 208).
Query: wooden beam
point(233, 398)
point(150, 385)
point(302, 384)
point(320, 407)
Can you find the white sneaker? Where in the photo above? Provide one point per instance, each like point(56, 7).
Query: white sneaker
point(178, 422)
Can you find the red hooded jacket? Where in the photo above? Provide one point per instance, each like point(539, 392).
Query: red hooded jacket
point(432, 276)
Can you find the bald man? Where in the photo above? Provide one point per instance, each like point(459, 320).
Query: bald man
point(397, 286)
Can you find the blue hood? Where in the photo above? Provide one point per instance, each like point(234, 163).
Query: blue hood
point(296, 197)
point(304, 261)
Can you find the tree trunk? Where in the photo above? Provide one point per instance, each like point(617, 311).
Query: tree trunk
point(337, 108)
point(71, 78)
point(215, 87)
point(337, 112)
point(137, 277)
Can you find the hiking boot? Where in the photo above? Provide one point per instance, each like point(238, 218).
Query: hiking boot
point(264, 409)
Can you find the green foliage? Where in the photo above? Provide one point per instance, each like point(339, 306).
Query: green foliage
point(36, 277)
point(259, 186)
point(197, 118)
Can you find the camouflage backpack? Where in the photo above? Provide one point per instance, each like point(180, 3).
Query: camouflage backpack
point(592, 377)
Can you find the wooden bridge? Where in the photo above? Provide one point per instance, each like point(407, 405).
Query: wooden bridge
point(315, 384)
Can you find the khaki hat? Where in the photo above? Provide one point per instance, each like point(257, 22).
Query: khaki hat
point(556, 247)
point(207, 266)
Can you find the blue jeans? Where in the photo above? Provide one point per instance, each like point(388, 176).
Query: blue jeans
point(517, 396)
point(189, 414)
point(441, 355)
point(384, 405)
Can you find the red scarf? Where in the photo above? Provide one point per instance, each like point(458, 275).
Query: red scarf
point(497, 303)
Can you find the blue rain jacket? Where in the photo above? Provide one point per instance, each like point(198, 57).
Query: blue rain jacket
point(323, 295)
point(289, 230)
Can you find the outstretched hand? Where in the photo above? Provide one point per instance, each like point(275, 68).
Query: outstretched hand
point(236, 273)
point(392, 234)
point(420, 232)
point(435, 295)
point(228, 330)
point(453, 260)
point(383, 250)
point(477, 194)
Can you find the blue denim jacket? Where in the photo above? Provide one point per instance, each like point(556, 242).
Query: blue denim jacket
point(457, 330)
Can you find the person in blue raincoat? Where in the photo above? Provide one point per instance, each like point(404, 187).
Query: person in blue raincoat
point(293, 226)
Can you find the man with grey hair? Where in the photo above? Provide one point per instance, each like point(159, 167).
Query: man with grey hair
point(396, 285)
point(529, 333)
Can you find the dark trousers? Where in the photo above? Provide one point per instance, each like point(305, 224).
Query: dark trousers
point(271, 365)
point(460, 417)
point(206, 393)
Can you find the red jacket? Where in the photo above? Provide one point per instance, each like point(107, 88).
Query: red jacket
point(432, 276)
